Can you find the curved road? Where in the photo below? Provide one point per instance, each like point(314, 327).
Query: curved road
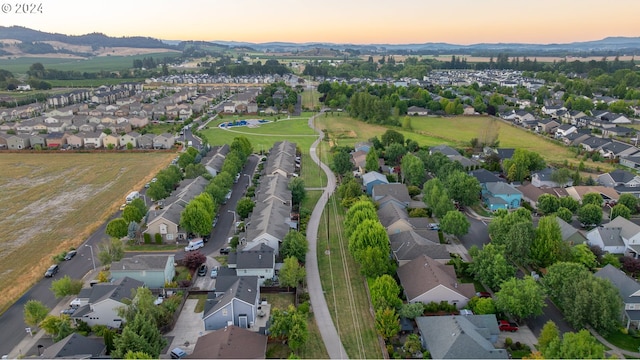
point(332, 342)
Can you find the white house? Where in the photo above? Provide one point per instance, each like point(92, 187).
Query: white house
point(104, 301)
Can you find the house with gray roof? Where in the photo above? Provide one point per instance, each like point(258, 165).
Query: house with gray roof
point(230, 342)
point(146, 141)
point(485, 176)
point(394, 218)
point(444, 150)
point(616, 150)
point(594, 143)
point(622, 181)
point(164, 141)
point(273, 187)
point(268, 224)
point(76, 346)
point(461, 336)
point(372, 178)
point(166, 222)
point(425, 280)
point(409, 245)
point(543, 178)
point(381, 193)
point(18, 142)
point(607, 238)
point(153, 270)
point(281, 158)
point(629, 290)
point(570, 234)
point(104, 300)
point(236, 306)
point(260, 262)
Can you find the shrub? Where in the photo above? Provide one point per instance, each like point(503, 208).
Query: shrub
point(419, 213)
point(390, 349)
point(184, 283)
point(304, 307)
point(508, 342)
point(147, 238)
point(98, 330)
point(158, 238)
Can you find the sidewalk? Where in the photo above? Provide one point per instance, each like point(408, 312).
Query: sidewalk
point(28, 347)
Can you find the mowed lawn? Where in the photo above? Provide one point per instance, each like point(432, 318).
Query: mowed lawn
point(52, 201)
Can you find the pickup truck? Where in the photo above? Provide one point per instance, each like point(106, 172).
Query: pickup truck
point(504, 325)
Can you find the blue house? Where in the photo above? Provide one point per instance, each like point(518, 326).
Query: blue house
point(499, 195)
point(373, 178)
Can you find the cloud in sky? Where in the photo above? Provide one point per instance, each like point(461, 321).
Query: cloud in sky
point(341, 21)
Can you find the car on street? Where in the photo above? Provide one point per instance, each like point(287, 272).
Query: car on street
point(483, 294)
point(225, 250)
point(214, 272)
point(178, 353)
point(154, 180)
point(147, 185)
point(434, 226)
point(122, 207)
point(70, 255)
point(504, 325)
point(215, 222)
point(52, 270)
point(202, 270)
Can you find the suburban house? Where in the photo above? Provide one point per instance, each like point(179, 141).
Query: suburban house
point(76, 346)
point(130, 138)
point(104, 301)
point(92, 140)
point(237, 306)
point(444, 150)
point(260, 263)
point(608, 194)
point(543, 178)
point(629, 290)
point(500, 195)
point(461, 336)
point(359, 160)
point(417, 111)
point(616, 150)
point(269, 223)
point(56, 140)
point(409, 245)
point(372, 178)
point(153, 270)
point(396, 192)
point(564, 130)
point(281, 159)
point(620, 236)
point(485, 176)
point(164, 141)
point(394, 218)
point(230, 342)
point(214, 162)
point(622, 181)
point(112, 140)
point(18, 142)
point(427, 280)
point(570, 234)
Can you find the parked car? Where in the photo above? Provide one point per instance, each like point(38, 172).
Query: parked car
point(214, 272)
point(122, 207)
point(202, 270)
point(504, 325)
point(483, 294)
point(178, 353)
point(225, 250)
point(68, 311)
point(70, 255)
point(52, 270)
point(434, 226)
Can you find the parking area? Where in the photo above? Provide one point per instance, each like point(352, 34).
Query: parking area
point(524, 335)
point(187, 329)
point(206, 282)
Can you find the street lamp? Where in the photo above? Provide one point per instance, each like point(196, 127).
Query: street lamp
point(93, 260)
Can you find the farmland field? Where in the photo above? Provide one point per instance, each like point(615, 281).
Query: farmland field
point(107, 63)
point(54, 201)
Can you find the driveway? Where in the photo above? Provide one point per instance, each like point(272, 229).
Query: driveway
point(524, 335)
point(206, 282)
point(188, 328)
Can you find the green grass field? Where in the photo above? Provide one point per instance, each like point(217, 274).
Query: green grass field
point(51, 202)
point(310, 99)
point(99, 63)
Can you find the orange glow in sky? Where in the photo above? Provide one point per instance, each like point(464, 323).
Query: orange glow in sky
point(344, 21)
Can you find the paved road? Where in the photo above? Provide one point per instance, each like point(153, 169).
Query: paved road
point(332, 342)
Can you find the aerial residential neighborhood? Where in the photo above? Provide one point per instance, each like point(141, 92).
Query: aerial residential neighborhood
point(379, 189)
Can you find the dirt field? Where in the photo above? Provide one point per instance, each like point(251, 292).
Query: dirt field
point(51, 202)
point(103, 51)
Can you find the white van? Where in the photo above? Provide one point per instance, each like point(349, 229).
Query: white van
point(194, 244)
point(132, 196)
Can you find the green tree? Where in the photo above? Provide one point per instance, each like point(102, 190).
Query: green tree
point(565, 214)
point(394, 153)
point(548, 204)
point(484, 306)
point(620, 210)
point(34, 312)
point(57, 326)
point(157, 191)
point(561, 176)
point(580, 345)
point(412, 170)
point(547, 244)
point(490, 266)
point(548, 336)
point(291, 273)
point(131, 214)
point(522, 163)
point(413, 345)
point(140, 205)
point(375, 261)
point(392, 137)
point(289, 325)
point(185, 159)
point(630, 201)
point(582, 254)
point(298, 191)
point(117, 228)
point(569, 203)
point(358, 212)
point(522, 298)
point(387, 323)
point(463, 188)
point(341, 163)
point(385, 293)
point(590, 214)
point(371, 163)
point(141, 335)
point(110, 251)
point(137, 355)
point(592, 198)
point(244, 207)
point(411, 310)
point(196, 218)
point(192, 171)
point(295, 244)
point(455, 223)
point(66, 286)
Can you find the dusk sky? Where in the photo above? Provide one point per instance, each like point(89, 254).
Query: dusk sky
point(340, 21)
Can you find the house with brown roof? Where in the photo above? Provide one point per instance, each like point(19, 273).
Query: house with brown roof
point(231, 342)
point(426, 280)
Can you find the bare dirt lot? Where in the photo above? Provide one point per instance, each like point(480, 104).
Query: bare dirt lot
point(52, 201)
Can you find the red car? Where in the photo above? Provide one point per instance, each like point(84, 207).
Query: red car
point(504, 325)
point(483, 294)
